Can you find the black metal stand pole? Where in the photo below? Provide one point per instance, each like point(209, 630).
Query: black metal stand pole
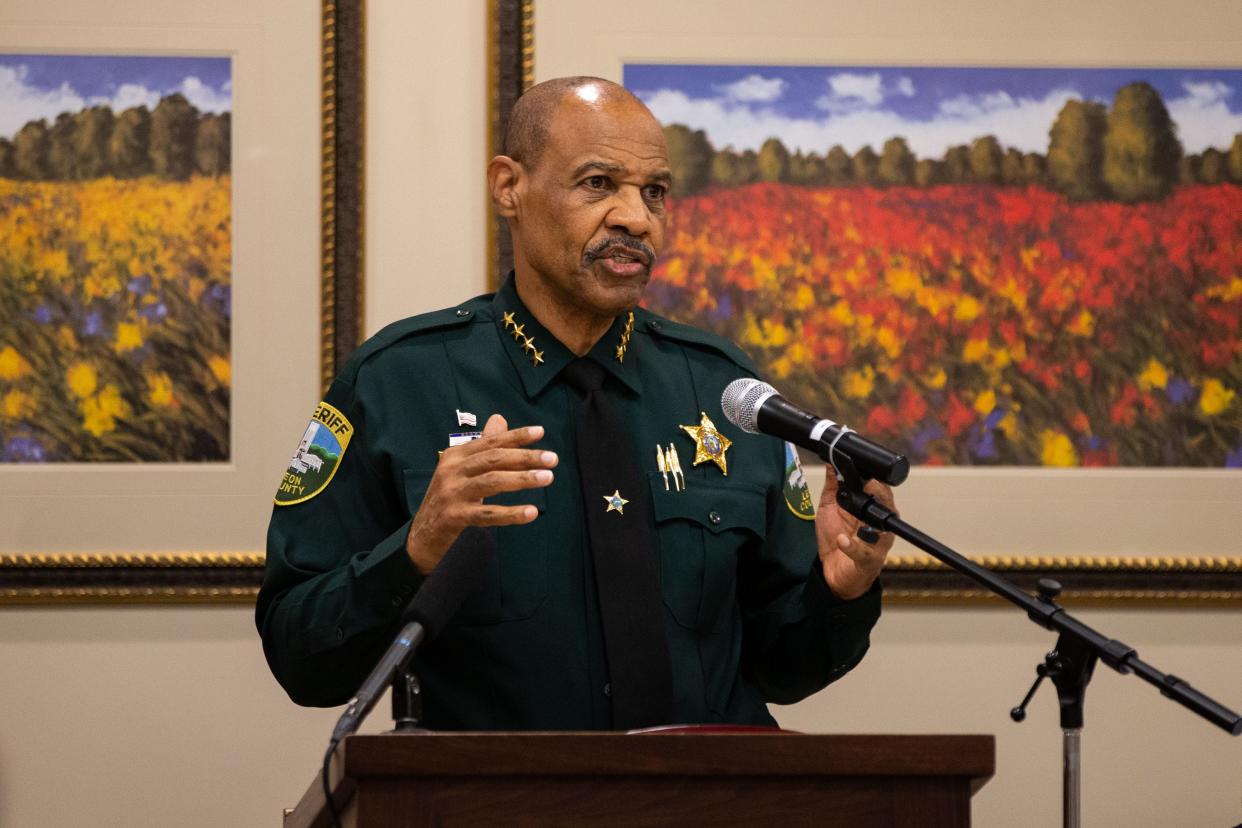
point(407, 701)
point(1070, 665)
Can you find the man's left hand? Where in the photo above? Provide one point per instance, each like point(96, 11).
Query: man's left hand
point(850, 564)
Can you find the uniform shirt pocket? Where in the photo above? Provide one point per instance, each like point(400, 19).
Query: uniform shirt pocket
point(515, 582)
point(702, 531)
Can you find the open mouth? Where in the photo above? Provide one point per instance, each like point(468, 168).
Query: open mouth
point(623, 262)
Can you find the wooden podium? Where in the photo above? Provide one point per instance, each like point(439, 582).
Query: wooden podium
point(674, 777)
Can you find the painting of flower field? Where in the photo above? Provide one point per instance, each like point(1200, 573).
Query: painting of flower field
point(115, 259)
point(1036, 268)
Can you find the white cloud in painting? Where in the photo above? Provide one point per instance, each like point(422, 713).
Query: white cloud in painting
point(129, 95)
point(21, 102)
point(754, 89)
point(1203, 118)
point(974, 106)
point(1016, 122)
point(205, 98)
point(852, 90)
point(855, 115)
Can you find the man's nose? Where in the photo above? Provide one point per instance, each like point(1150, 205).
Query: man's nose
point(629, 213)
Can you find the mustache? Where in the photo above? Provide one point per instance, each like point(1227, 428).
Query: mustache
point(597, 250)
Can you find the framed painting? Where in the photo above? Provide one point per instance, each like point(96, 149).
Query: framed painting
point(1113, 505)
point(160, 198)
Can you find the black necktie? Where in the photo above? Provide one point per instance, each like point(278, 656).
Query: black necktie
point(627, 578)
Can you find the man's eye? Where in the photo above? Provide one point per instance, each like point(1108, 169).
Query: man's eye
point(597, 182)
point(655, 192)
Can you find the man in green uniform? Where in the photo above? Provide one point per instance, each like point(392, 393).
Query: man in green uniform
point(755, 598)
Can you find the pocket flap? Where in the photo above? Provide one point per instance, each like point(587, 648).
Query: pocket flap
point(714, 506)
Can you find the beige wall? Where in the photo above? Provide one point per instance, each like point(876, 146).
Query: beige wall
point(167, 715)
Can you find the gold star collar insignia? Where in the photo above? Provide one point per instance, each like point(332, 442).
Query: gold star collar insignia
point(526, 343)
point(709, 444)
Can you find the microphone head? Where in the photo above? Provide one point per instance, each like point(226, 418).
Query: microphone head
point(741, 400)
point(458, 574)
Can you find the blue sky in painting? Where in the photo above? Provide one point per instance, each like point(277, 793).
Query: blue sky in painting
point(814, 107)
point(36, 86)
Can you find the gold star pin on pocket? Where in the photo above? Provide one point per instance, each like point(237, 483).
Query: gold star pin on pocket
point(709, 444)
point(616, 503)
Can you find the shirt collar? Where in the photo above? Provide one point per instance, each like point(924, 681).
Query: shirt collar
point(538, 356)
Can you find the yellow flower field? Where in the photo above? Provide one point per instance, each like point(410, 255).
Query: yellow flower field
point(115, 306)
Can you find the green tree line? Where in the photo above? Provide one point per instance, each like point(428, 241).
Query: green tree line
point(173, 141)
point(1128, 152)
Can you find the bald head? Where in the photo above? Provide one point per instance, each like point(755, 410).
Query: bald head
point(531, 119)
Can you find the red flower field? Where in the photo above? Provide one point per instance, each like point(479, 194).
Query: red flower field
point(980, 325)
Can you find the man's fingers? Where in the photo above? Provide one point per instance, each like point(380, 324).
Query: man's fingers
point(503, 439)
point(495, 482)
point(509, 459)
point(830, 484)
point(496, 424)
point(489, 514)
point(881, 492)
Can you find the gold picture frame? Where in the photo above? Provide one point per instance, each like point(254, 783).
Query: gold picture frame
point(233, 577)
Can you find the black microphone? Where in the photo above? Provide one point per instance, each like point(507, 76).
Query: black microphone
point(459, 573)
point(757, 408)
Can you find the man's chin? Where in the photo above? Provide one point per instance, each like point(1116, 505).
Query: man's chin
point(618, 293)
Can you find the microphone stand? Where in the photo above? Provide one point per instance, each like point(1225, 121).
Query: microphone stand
point(1078, 646)
point(407, 701)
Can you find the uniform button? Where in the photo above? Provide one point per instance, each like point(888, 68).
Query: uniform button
point(608, 690)
point(396, 600)
point(655, 325)
point(340, 634)
point(714, 517)
point(463, 312)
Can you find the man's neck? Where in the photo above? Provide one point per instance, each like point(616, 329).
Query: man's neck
point(575, 329)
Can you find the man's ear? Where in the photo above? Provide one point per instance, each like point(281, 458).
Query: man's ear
point(504, 177)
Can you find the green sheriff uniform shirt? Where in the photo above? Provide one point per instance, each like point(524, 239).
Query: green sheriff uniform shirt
point(748, 616)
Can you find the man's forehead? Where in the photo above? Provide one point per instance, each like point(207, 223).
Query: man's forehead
point(629, 138)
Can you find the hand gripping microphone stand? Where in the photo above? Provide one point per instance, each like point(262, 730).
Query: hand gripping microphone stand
point(1078, 646)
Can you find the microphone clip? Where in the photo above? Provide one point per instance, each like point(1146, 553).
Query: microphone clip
point(853, 499)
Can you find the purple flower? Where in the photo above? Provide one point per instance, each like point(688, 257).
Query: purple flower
point(220, 299)
point(924, 436)
point(993, 419)
point(1095, 442)
point(983, 445)
point(1179, 391)
point(1233, 460)
point(43, 315)
point(24, 450)
point(140, 285)
point(724, 308)
point(92, 325)
point(154, 313)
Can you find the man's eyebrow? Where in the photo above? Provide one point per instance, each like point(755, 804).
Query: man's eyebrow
point(602, 166)
point(663, 176)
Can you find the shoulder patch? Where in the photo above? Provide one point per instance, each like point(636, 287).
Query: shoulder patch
point(797, 492)
point(317, 458)
point(668, 329)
